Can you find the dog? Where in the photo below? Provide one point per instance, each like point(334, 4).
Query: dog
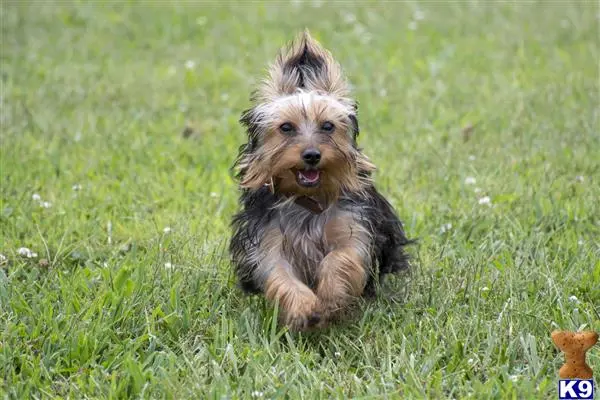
point(313, 233)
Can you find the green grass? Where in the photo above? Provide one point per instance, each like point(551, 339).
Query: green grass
point(98, 96)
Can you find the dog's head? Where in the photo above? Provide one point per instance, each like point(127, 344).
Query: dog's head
point(303, 127)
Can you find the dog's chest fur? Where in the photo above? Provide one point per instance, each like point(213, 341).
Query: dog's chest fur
point(307, 237)
point(303, 234)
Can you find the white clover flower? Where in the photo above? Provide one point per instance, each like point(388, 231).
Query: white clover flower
point(365, 38)
point(167, 229)
point(573, 299)
point(45, 204)
point(485, 289)
point(472, 157)
point(349, 18)
point(580, 178)
point(419, 15)
point(337, 354)
point(256, 393)
point(25, 252)
point(213, 194)
point(168, 265)
point(485, 200)
point(190, 64)
point(36, 197)
point(513, 378)
point(76, 187)
point(470, 361)
point(469, 180)
point(360, 30)
point(445, 228)
point(3, 258)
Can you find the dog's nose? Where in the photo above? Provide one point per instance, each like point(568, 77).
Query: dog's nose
point(311, 156)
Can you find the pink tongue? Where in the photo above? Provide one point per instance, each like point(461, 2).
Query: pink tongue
point(310, 175)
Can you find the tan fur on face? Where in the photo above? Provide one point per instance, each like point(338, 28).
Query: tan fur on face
point(305, 87)
point(279, 152)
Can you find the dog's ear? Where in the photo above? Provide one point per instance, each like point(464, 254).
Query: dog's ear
point(249, 121)
point(354, 129)
point(305, 64)
point(246, 151)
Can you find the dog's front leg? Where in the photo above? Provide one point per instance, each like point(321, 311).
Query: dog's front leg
point(297, 301)
point(280, 283)
point(342, 278)
point(343, 272)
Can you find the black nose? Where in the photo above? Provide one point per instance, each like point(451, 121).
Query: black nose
point(311, 156)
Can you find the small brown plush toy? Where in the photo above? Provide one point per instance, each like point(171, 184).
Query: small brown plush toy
point(574, 345)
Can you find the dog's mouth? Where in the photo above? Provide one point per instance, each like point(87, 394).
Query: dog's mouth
point(308, 177)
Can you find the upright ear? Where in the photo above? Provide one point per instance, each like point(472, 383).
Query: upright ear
point(304, 64)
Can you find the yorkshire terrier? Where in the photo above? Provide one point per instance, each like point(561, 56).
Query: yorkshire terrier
point(313, 233)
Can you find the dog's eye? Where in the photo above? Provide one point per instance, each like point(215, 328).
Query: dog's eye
point(327, 126)
point(286, 127)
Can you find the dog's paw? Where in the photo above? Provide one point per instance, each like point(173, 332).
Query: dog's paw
point(303, 314)
point(304, 323)
point(332, 311)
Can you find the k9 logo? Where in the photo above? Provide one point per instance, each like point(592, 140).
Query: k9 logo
point(570, 389)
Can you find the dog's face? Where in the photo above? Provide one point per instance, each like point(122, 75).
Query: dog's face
point(302, 130)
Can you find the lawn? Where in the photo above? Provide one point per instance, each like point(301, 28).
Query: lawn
point(120, 123)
